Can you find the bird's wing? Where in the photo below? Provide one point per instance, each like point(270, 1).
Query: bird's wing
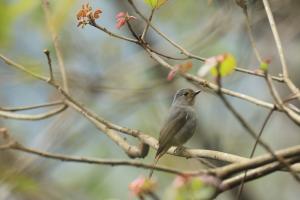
point(175, 121)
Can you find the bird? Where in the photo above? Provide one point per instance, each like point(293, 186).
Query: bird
point(180, 124)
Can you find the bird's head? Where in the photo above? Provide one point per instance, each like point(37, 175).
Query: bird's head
point(185, 97)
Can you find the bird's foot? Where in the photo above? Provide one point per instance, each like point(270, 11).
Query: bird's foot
point(179, 149)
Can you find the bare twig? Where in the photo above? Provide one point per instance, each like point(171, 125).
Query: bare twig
point(250, 130)
point(110, 162)
point(256, 173)
point(273, 26)
point(251, 37)
point(105, 126)
point(257, 73)
point(21, 108)
point(195, 79)
point(252, 133)
point(45, 5)
point(291, 113)
point(290, 153)
point(276, 37)
point(253, 150)
point(22, 68)
point(32, 117)
point(204, 83)
point(93, 23)
point(184, 51)
point(147, 24)
point(258, 161)
point(47, 53)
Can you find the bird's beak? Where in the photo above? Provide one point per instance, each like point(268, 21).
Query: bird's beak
point(197, 92)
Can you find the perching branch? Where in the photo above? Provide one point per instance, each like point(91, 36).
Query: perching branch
point(256, 164)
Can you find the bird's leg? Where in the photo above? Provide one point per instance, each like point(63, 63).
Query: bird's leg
point(179, 149)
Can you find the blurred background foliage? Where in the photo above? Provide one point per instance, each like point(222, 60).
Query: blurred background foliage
point(121, 83)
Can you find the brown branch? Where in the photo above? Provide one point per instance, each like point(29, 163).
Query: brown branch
point(273, 26)
point(290, 112)
point(194, 79)
point(258, 162)
point(217, 171)
point(256, 173)
point(22, 108)
point(47, 53)
point(256, 73)
point(255, 137)
point(204, 83)
point(107, 126)
point(110, 162)
point(32, 117)
point(147, 24)
point(22, 68)
point(253, 150)
point(94, 24)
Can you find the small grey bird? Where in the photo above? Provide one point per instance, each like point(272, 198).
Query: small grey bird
point(180, 124)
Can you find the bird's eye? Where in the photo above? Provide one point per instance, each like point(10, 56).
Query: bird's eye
point(185, 94)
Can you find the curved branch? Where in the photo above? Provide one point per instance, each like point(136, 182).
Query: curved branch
point(32, 117)
point(21, 108)
point(110, 162)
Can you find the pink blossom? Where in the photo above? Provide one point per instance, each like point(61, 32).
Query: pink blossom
point(122, 18)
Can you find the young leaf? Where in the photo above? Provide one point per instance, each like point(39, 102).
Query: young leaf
point(155, 3)
point(182, 68)
point(264, 65)
point(227, 64)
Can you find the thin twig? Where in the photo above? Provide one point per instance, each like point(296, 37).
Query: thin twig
point(112, 34)
point(22, 108)
point(195, 79)
point(22, 68)
point(273, 26)
point(32, 117)
point(258, 162)
point(254, 136)
point(276, 37)
point(47, 53)
point(251, 37)
point(110, 162)
point(146, 138)
point(253, 150)
point(184, 51)
point(229, 170)
point(147, 24)
point(256, 173)
point(257, 73)
point(290, 112)
point(204, 83)
point(56, 44)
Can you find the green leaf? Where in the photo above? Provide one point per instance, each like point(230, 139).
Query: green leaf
point(155, 3)
point(226, 62)
point(264, 66)
point(196, 184)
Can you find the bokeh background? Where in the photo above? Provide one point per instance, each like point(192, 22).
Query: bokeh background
point(121, 83)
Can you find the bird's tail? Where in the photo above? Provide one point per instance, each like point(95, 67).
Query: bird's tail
point(154, 163)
